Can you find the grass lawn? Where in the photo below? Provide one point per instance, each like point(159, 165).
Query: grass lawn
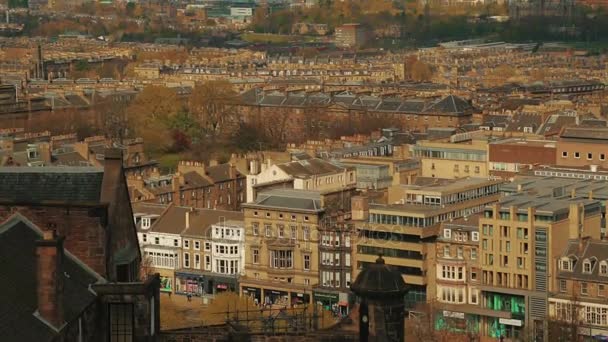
point(168, 161)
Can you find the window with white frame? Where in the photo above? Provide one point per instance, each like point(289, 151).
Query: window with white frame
point(604, 268)
point(596, 315)
point(306, 262)
point(197, 261)
point(474, 296)
point(447, 233)
point(186, 243)
point(255, 255)
point(207, 263)
point(452, 272)
point(586, 266)
point(452, 295)
point(294, 232)
point(475, 236)
point(281, 259)
point(207, 246)
point(187, 260)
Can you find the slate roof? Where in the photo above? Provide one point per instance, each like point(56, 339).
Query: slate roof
point(50, 184)
point(594, 133)
point(220, 172)
point(173, 220)
point(592, 250)
point(522, 120)
point(554, 124)
point(309, 167)
point(193, 180)
point(18, 300)
point(449, 105)
point(288, 199)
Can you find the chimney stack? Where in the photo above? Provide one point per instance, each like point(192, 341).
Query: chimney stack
point(112, 172)
point(49, 252)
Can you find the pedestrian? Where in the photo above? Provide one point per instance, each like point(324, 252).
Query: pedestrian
point(189, 297)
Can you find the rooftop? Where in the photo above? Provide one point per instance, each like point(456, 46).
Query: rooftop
point(288, 199)
point(50, 184)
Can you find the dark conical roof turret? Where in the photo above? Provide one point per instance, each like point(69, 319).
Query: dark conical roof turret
point(379, 281)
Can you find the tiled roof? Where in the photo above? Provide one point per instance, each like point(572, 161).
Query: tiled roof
point(18, 300)
point(59, 184)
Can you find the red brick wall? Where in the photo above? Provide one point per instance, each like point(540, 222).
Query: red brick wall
point(84, 235)
point(522, 154)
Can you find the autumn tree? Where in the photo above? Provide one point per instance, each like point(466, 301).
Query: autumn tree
point(150, 114)
point(421, 71)
point(212, 104)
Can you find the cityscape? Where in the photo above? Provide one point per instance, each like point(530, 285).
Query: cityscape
point(304, 170)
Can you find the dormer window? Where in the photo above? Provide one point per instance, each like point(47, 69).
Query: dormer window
point(566, 264)
point(604, 268)
point(588, 265)
point(145, 223)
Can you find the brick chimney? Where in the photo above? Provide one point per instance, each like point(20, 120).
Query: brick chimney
point(112, 172)
point(49, 253)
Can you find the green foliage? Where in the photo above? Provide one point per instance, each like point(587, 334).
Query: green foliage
point(17, 3)
point(185, 122)
point(82, 65)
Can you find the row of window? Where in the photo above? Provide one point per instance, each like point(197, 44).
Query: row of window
point(577, 155)
point(281, 216)
point(589, 314)
point(447, 252)
point(567, 264)
point(281, 231)
point(457, 295)
point(460, 236)
point(332, 279)
point(197, 261)
point(584, 288)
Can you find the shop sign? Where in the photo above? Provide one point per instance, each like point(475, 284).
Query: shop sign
point(453, 314)
point(222, 286)
point(330, 296)
point(508, 321)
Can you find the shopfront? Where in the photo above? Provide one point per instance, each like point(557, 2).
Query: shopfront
point(299, 298)
point(327, 299)
point(166, 284)
point(253, 292)
point(505, 327)
point(276, 297)
point(336, 302)
point(189, 283)
point(218, 284)
point(457, 322)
